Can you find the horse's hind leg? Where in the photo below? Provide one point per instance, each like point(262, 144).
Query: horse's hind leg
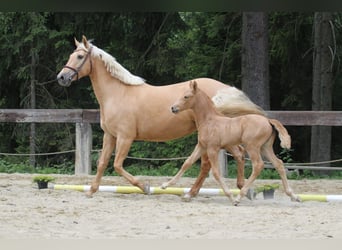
point(107, 150)
point(268, 152)
point(195, 155)
point(205, 168)
point(122, 147)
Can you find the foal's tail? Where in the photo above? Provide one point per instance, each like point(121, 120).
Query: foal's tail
point(233, 102)
point(285, 139)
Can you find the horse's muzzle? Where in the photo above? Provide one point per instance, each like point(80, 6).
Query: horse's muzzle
point(174, 109)
point(64, 81)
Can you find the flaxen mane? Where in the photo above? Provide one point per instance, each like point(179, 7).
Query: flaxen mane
point(113, 67)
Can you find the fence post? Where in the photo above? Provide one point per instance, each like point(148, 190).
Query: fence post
point(223, 163)
point(83, 148)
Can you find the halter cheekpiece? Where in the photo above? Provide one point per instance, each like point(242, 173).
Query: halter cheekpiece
point(81, 65)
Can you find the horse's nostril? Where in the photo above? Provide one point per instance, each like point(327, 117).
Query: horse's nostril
point(174, 109)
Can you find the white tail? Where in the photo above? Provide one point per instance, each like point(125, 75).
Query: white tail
point(233, 102)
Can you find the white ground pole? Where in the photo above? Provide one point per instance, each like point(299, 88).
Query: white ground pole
point(181, 191)
point(133, 189)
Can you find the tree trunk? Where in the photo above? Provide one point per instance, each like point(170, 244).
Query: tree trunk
point(255, 62)
point(322, 85)
point(33, 106)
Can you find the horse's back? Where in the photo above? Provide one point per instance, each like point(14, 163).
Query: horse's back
point(255, 126)
point(208, 85)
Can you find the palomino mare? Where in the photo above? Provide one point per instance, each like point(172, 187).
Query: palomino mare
point(215, 131)
point(131, 109)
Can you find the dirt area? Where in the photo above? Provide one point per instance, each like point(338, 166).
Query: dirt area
point(29, 213)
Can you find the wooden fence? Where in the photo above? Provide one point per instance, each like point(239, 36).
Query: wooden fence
point(83, 118)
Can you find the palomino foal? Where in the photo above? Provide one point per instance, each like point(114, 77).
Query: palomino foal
point(215, 131)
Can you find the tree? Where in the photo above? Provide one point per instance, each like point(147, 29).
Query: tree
point(254, 56)
point(323, 61)
point(25, 47)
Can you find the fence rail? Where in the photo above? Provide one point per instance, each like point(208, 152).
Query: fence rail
point(83, 118)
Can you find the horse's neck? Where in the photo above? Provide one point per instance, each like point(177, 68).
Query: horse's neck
point(105, 86)
point(204, 109)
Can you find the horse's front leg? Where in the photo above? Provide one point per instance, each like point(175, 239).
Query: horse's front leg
point(205, 168)
point(214, 162)
point(195, 155)
point(122, 147)
point(107, 150)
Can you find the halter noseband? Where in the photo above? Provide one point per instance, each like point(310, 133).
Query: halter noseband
point(81, 65)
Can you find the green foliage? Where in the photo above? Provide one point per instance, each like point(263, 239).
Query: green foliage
point(11, 166)
point(266, 187)
point(8, 167)
point(285, 155)
point(43, 178)
point(167, 169)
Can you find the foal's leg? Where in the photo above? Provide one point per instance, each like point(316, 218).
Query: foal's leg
point(205, 168)
point(107, 150)
point(279, 166)
point(195, 155)
point(257, 166)
point(122, 147)
point(238, 153)
point(213, 158)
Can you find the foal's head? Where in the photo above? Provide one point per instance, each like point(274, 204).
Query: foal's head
point(78, 65)
point(187, 100)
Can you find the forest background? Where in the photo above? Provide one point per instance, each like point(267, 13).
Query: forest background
point(163, 48)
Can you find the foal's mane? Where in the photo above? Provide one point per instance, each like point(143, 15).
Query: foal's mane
point(114, 68)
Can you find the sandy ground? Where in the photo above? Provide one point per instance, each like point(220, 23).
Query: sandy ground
point(29, 213)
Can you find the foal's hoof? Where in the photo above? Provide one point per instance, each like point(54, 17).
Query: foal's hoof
point(236, 203)
point(164, 186)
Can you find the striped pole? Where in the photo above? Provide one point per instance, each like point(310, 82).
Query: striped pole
point(320, 197)
point(181, 191)
point(133, 189)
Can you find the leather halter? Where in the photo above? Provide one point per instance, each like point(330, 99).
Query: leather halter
point(81, 65)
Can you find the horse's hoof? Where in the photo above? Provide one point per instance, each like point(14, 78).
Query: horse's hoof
point(147, 188)
point(296, 199)
point(236, 203)
point(251, 194)
point(89, 194)
point(164, 186)
point(186, 198)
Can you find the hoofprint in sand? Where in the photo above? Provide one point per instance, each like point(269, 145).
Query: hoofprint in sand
point(29, 213)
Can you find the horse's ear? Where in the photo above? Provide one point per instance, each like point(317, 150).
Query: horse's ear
point(76, 42)
point(193, 86)
point(85, 41)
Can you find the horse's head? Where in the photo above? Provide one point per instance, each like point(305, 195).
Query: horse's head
point(78, 65)
point(187, 99)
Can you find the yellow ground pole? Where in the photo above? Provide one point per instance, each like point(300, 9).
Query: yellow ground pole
point(181, 191)
point(132, 189)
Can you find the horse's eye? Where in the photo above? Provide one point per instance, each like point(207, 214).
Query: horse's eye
point(186, 97)
point(80, 57)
